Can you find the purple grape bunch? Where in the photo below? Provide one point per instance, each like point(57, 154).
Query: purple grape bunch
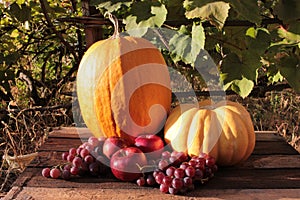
point(87, 159)
point(177, 173)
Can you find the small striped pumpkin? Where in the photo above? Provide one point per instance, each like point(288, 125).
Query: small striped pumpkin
point(224, 130)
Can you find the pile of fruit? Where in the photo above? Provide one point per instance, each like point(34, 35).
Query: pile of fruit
point(128, 94)
point(147, 162)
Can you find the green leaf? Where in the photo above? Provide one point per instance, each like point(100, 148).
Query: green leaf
point(20, 2)
point(251, 63)
point(294, 26)
point(288, 36)
point(175, 10)
point(142, 10)
point(274, 74)
point(14, 33)
point(289, 68)
point(287, 10)
point(180, 48)
point(11, 58)
point(215, 12)
point(137, 23)
point(235, 69)
point(21, 12)
point(110, 6)
point(248, 9)
point(185, 47)
point(242, 87)
point(258, 40)
point(198, 39)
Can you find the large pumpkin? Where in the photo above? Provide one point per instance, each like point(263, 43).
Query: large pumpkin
point(123, 87)
point(223, 130)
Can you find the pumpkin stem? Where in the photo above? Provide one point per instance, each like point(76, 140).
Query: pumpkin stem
point(114, 20)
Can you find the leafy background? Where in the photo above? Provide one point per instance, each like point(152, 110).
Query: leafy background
point(254, 44)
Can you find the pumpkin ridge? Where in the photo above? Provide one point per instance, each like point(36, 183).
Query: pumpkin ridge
point(113, 75)
point(239, 141)
point(192, 133)
point(245, 117)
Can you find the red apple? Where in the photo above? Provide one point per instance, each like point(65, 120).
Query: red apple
point(151, 145)
point(113, 144)
point(125, 163)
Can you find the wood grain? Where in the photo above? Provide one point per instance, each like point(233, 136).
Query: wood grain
point(272, 171)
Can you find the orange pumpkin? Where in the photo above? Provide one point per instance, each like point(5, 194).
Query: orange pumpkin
point(223, 130)
point(123, 87)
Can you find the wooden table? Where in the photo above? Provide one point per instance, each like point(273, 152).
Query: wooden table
point(271, 172)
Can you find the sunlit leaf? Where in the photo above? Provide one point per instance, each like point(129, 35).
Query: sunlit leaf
point(242, 87)
point(110, 6)
point(289, 36)
point(215, 12)
point(198, 39)
point(137, 24)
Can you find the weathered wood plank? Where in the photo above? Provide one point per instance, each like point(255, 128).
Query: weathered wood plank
point(70, 132)
point(60, 144)
point(272, 161)
point(13, 193)
point(153, 194)
point(225, 178)
point(49, 159)
point(261, 147)
point(268, 137)
point(79, 132)
point(270, 148)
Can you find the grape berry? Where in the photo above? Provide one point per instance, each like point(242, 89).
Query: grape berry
point(174, 173)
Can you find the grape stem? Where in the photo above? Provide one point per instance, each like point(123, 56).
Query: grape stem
point(142, 168)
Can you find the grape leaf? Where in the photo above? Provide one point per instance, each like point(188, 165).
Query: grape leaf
point(248, 9)
point(233, 68)
point(142, 14)
point(242, 87)
point(198, 39)
point(289, 68)
point(251, 62)
point(110, 6)
point(290, 38)
point(137, 23)
point(175, 10)
point(294, 27)
point(11, 58)
point(239, 74)
point(215, 12)
point(185, 47)
point(274, 74)
point(21, 12)
point(258, 40)
point(180, 48)
point(287, 10)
